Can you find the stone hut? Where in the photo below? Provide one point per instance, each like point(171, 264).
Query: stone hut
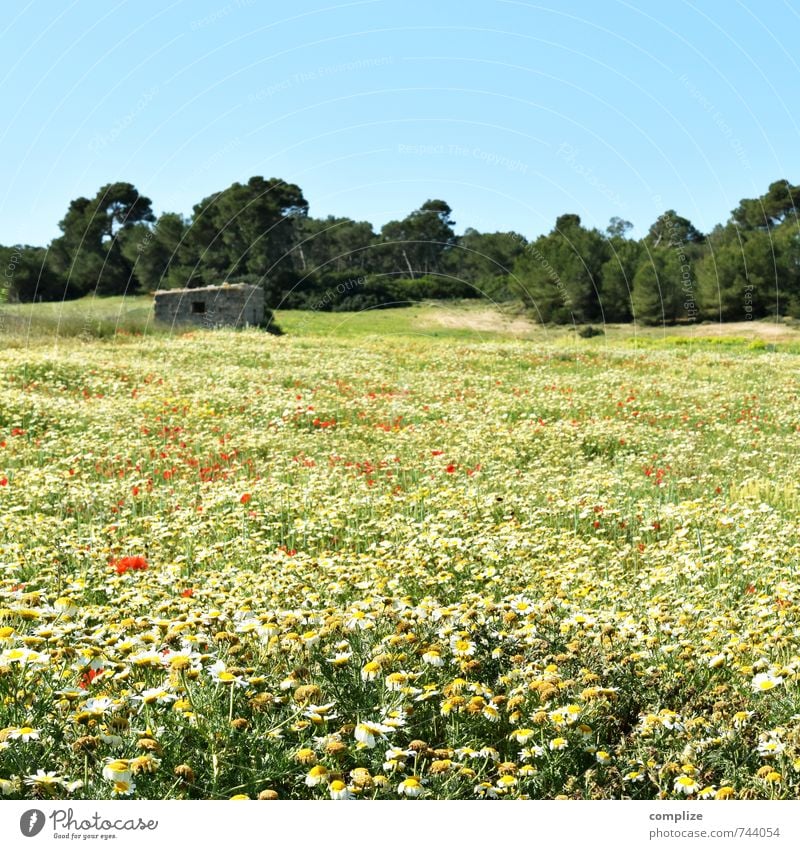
point(228, 305)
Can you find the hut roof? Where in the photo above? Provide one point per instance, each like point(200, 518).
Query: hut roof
point(200, 289)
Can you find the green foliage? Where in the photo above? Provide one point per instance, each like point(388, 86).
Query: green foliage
point(559, 275)
point(244, 229)
point(26, 275)
point(338, 245)
point(486, 262)
point(418, 244)
point(617, 274)
point(88, 256)
point(673, 230)
point(260, 232)
point(763, 213)
point(153, 251)
point(738, 279)
point(657, 295)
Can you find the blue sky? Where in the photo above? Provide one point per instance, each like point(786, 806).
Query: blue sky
point(512, 112)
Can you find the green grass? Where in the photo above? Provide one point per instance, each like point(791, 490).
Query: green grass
point(108, 317)
point(89, 317)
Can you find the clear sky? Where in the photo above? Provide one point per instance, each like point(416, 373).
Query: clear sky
point(511, 111)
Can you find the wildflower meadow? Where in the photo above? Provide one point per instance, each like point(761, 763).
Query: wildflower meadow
point(404, 566)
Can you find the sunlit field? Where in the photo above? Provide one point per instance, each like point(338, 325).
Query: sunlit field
point(389, 557)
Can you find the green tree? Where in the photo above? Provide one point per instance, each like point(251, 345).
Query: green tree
point(779, 202)
point(486, 261)
point(673, 230)
point(331, 244)
point(659, 296)
point(618, 228)
point(26, 275)
point(246, 229)
point(88, 256)
point(617, 274)
point(740, 278)
point(559, 275)
point(419, 243)
point(152, 251)
point(786, 247)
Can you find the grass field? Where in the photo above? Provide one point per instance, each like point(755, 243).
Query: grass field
point(112, 317)
point(422, 553)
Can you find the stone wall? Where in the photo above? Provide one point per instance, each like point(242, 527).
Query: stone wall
point(237, 305)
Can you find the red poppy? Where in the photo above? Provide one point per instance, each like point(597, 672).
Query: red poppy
point(87, 677)
point(187, 593)
point(126, 564)
point(245, 498)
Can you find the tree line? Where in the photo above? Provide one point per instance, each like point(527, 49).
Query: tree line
point(260, 232)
